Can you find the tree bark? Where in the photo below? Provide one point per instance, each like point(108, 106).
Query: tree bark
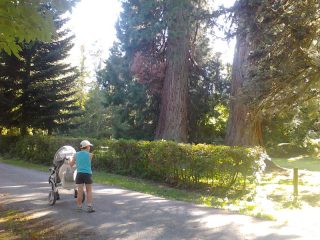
point(244, 125)
point(24, 119)
point(172, 124)
point(50, 131)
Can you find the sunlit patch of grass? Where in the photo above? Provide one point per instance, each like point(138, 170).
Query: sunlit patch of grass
point(292, 203)
point(277, 197)
point(15, 224)
point(234, 202)
point(301, 162)
point(279, 189)
point(285, 181)
point(265, 216)
point(147, 187)
point(312, 199)
point(256, 209)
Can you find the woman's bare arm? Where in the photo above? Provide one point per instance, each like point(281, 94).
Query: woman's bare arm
point(72, 162)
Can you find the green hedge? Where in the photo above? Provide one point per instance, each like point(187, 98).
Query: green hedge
point(35, 149)
point(194, 166)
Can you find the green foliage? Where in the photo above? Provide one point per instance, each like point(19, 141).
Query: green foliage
point(203, 167)
point(27, 21)
point(276, 65)
point(135, 100)
point(209, 94)
point(132, 111)
point(284, 57)
point(95, 121)
point(141, 22)
point(298, 127)
point(286, 150)
point(35, 149)
point(37, 88)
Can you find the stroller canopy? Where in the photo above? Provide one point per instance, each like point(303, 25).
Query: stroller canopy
point(63, 153)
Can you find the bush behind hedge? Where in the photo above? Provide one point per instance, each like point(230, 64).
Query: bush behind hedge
point(199, 166)
point(288, 150)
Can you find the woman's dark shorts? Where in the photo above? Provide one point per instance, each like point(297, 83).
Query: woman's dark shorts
point(84, 178)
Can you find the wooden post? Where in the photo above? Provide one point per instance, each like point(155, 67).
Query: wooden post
point(295, 182)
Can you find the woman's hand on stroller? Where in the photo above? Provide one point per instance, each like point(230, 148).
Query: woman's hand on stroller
point(71, 161)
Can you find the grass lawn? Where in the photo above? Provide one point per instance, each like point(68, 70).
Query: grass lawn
point(273, 195)
point(21, 163)
point(18, 225)
point(144, 186)
point(124, 182)
point(301, 162)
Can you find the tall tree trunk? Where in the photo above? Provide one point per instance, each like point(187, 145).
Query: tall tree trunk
point(172, 124)
point(50, 131)
point(24, 120)
point(245, 123)
point(244, 126)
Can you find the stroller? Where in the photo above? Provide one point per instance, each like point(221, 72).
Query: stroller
point(62, 175)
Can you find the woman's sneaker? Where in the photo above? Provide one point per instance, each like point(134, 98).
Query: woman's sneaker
point(79, 208)
point(90, 209)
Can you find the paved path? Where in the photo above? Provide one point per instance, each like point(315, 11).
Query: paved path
point(124, 214)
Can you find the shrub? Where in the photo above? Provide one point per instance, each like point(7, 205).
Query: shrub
point(200, 166)
point(35, 149)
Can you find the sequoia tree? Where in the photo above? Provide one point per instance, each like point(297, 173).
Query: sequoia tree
point(160, 38)
point(275, 62)
point(172, 124)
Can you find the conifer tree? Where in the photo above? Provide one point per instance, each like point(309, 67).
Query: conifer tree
point(152, 36)
point(37, 88)
point(133, 110)
point(275, 62)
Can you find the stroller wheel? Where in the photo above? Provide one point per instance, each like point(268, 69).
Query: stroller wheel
point(57, 195)
point(52, 198)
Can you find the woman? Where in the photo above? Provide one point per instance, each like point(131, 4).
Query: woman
point(83, 159)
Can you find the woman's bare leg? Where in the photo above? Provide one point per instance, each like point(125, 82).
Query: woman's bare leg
point(89, 194)
point(80, 194)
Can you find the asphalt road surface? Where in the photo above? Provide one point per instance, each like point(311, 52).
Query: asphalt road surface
point(124, 214)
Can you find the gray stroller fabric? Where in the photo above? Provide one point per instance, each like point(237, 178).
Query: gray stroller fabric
point(68, 175)
point(65, 152)
point(65, 172)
